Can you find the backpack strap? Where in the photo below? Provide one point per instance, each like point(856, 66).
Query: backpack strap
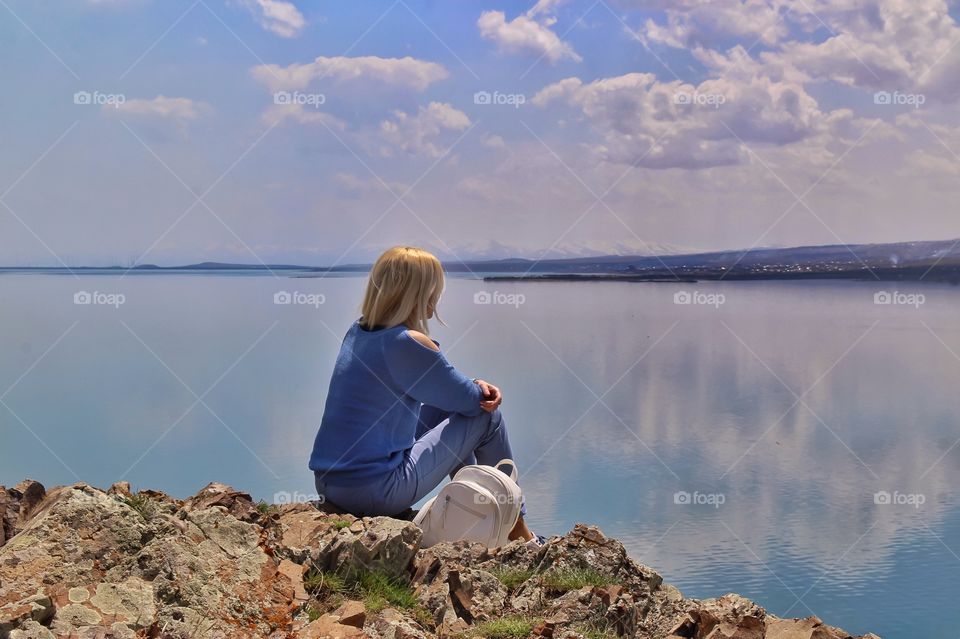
point(513, 467)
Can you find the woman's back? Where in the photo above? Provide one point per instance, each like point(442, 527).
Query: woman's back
point(370, 418)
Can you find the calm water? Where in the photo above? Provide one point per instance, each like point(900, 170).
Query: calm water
point(773, 417)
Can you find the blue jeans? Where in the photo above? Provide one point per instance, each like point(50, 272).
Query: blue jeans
point(441, 449)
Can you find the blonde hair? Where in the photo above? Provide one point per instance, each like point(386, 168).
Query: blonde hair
point(404, 287)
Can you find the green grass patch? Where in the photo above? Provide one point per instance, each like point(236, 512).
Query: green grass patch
point(323, 584)
point(599, 629)
point(144, 506)
point(313, 613)
point(512, 577)
point(265, 508)
point(380, 591)
point(567, 579)
point(376, 590)
point(505, 628)
point(425, 618)
point(340, 524)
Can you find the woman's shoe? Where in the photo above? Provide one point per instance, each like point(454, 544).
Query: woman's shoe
point(537, 541)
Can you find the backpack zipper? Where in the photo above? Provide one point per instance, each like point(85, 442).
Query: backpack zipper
point(449, 500)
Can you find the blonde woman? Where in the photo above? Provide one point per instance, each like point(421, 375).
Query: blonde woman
point(399, 417)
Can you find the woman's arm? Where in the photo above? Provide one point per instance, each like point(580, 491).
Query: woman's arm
point(420, 369)
point(491, 397)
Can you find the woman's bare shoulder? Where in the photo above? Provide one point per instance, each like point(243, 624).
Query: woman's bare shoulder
point(423, 339)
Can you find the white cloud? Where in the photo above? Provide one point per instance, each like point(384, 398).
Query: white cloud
point(162, 107)
point(354, 186)
point(906, 45)
point(404, 72)
point(277, 16)
point(674, 125)
point(493, 141)
point(481, 189)
point(525, 33)
point(278, 113)
point(416, 134)
point(884, 44)
point(695, 23)
point(544, 7)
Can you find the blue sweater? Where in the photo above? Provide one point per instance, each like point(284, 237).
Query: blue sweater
point(380, 379)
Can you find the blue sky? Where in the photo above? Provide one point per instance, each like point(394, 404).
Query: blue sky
point(644, 126)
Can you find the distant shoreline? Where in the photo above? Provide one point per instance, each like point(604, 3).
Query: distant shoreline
point(947, 274)
point(934, 261)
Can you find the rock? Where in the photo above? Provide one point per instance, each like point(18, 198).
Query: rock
point(304, 529)
point(478, 593)
point(327, 627)
point(121, 489)
point(17, 505)
point(236, 538)
point(128, 605)
point(38, 608)
point(344, 544)
point(460, 553)
point(216, 576)
point(607, 594)
point(294, 572)
point(240, 505)
point(5, 533)
point(585, 547)
point(31, 630)
point(352, 613)
point(106, 568)
point(87, 564)
point(77, 535)
point(159, 497)
point(728, 617)
point(456, 628)
point(622, 614)
point(385, 545)
point(449, 590)
point(392, 624)
point(809, 628)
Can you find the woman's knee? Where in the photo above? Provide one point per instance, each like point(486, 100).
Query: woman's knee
point(492, 421)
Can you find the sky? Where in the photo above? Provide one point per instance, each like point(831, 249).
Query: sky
point(273, 131)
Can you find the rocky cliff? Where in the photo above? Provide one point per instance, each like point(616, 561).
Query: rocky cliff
point(82, 563)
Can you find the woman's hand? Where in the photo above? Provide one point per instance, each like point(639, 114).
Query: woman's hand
point(492, 397)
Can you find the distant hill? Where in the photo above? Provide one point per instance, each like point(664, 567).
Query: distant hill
point(929, 260)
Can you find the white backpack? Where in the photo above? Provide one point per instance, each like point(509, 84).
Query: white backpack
point(480, 503)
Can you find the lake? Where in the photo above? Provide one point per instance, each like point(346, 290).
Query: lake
point(795, 442)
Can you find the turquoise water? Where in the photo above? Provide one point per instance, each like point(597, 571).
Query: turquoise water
point(675, 427)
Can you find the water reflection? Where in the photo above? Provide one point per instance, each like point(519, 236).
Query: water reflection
point(794, 402)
